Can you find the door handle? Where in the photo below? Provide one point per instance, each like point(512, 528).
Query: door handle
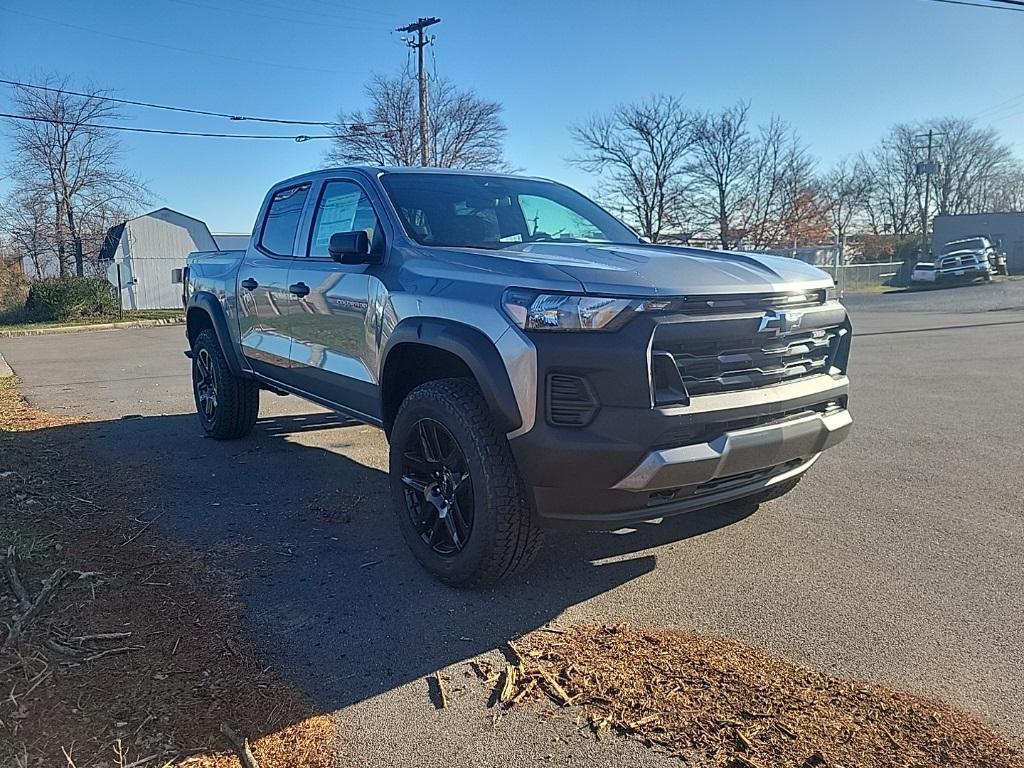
point(299, 289)
point(249, 284)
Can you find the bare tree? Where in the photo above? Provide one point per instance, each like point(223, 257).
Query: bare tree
point(60, 150)
point(753, 186)
point(1005, 192)
point(780, 184)
point(27, 218)
point(844, 194)
point(465, 130)
point(973, 161)
point(642, 149)
point(894, 201)
point(977, 172)
point(725, 152)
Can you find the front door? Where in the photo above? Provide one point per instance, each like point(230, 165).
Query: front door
point(333, 330)
point(264, 299)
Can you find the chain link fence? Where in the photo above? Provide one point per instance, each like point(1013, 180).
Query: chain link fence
point(862, 277)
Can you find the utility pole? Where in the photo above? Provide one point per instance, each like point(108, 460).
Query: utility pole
point(927, 169)
point(419, 43)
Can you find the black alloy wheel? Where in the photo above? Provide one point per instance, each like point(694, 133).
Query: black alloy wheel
point(438, 488)
point(206, 385)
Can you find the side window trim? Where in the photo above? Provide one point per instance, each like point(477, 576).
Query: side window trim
point(315, 213)
point(266, 215)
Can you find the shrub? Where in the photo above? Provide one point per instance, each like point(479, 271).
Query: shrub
point(70, 298)
point(13, 290)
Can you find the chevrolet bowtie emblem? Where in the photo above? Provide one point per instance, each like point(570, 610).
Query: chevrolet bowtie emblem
point(780, 321)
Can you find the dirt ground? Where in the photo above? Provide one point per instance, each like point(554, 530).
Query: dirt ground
point(128, 649)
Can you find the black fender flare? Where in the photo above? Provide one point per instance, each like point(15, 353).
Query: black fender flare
point(206, 303)
point(475, 350)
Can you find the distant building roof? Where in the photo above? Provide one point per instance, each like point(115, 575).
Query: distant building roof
point(231, 241)
point(113, 236)
point(110, 241)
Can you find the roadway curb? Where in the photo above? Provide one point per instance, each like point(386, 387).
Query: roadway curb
point(93, 327)
point(5, 369)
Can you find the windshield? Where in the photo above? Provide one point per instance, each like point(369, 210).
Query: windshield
point(467, 211)
point(965, 245)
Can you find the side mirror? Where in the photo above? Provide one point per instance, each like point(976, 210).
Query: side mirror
point(350, 247)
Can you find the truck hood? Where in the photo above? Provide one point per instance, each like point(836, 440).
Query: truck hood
point(646, 270)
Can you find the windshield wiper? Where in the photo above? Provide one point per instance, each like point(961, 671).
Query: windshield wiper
point(560, 239)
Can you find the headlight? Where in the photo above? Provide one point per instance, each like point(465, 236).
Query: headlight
point(831, 294)
point(560, 312)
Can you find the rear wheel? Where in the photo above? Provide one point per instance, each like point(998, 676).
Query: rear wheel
point(456, 489)
point(227, 404)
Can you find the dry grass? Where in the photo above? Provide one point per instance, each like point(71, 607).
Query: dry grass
point(16, 415)
point(137, 652)
point(718, 701)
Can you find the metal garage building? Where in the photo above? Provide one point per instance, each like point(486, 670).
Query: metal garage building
point(146, 249)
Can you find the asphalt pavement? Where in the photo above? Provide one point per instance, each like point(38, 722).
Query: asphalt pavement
point(896, 560)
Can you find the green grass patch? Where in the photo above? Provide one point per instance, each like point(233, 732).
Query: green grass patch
point(129, 316)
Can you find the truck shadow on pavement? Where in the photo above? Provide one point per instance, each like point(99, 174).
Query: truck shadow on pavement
point(330, 590)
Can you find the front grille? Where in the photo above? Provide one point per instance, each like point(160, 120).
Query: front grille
point(708, 366)
point(953, 262)
point(759, 302)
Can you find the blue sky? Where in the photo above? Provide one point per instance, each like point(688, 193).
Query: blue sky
point(841, 71)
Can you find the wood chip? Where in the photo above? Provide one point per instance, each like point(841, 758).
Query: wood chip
point(716, 701)
point(241, 747)
point(508, 684)
point(442, 693)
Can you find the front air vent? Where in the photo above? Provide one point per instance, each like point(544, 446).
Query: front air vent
point(570, 401)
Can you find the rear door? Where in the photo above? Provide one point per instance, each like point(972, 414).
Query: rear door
point(333, 327)
point(264, 299)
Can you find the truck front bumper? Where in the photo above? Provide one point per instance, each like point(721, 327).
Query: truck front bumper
point(632, 465)
point(738, 452)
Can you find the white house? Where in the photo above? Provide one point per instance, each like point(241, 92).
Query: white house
point(146, 249)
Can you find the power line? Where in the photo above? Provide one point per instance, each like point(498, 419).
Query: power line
point(978, 5)
point(324, 13)
point(161, 131)
point(998, 107)
point(1010, 2)
point(289, 20)
point(188, 110)
point(178, 49)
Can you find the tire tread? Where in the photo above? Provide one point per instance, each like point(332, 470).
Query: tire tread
point(238, 399)
point(517, 537)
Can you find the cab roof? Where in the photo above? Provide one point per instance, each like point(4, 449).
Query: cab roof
point(376, 170)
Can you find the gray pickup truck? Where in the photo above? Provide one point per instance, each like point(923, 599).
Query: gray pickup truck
point(532, 361)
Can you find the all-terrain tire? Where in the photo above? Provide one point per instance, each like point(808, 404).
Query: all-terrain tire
point(505, 536)
point(237, 399)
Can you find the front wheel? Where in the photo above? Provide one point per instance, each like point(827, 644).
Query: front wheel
point(227, 404)
point(456, 488)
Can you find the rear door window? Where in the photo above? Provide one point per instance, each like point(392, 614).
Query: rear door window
point(282, 220)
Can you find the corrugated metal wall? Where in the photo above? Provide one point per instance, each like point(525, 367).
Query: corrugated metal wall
point(153, 245)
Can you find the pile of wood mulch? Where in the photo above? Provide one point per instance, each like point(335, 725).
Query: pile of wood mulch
point(715, 701)
point(117, 647)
